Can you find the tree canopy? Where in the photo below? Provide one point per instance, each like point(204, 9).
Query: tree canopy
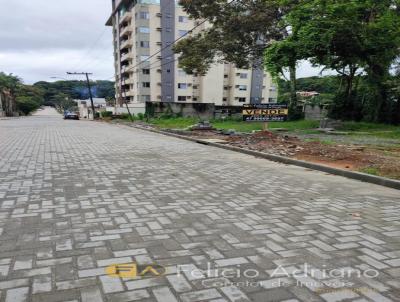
point(58, 94)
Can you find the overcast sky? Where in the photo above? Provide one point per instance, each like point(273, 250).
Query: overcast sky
point(44, 38)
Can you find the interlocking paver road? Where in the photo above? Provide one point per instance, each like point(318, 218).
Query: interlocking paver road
point(78, 196)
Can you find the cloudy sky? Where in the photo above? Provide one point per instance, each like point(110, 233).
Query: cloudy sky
point(44, 38)
point(40, 39)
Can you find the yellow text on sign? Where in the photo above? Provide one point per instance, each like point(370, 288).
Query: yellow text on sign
point(132, 270)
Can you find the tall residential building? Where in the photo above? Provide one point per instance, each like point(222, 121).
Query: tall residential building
point(142, 28)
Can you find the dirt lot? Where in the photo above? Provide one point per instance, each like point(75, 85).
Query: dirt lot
point(377, 160)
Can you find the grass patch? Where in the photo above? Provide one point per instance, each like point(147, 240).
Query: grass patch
point(238, 125)
point(370, 170)
point(250, 126)
point(372, 129)
point(174, 123)
point(323, 142)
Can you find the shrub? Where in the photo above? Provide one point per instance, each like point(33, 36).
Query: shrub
point(106, 114)
point(126, 116)
point(26, 105)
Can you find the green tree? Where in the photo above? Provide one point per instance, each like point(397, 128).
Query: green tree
point(9, 82)
point(241, 31)
point(26, 104)
point(352, 37)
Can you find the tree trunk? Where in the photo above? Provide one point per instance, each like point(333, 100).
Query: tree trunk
point(293, 114)
point(377, 77)
point(349, 97)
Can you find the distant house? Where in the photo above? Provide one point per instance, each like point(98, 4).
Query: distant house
point(85, 107)
point(307, 94)
point(8, 106)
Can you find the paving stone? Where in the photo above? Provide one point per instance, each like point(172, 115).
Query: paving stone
point(135, 295)
point(17, 294)
point(180, 284)
point(91, 294)
point(41, 284)
point(234, 294)
point(206, 294)
point(113, 261)
point(13, 283)
point(130, 253)
point(64, 285)
point(335, 296)
point(22, 263)
point(163, 294)
point(76, 197)
point(231, 262)
point(145, 283)
point(111, 284)
point(4, 270)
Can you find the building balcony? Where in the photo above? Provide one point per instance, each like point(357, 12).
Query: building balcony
point(126, 31)
point(128, 81)
point(126, 57)
point(126, 69)
point(127, 43)
point(128, 93)
point(126, 17)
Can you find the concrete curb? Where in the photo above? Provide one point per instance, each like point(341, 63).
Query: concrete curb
point(382, 181)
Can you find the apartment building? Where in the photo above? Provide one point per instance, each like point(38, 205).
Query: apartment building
point(142, 28)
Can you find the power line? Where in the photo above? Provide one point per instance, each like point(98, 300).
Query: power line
point(90, 49)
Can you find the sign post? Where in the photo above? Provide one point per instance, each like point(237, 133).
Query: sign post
point(265, 113)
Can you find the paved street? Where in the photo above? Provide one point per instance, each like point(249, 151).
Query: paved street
point(77, 197)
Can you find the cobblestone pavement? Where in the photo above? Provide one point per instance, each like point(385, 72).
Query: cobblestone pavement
point(78, 196)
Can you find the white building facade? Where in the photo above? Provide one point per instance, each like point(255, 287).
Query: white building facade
point(142, 28)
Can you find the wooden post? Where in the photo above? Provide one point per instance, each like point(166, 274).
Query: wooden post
point(265, 126)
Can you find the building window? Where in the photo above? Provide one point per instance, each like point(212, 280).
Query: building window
point(146, 71)
point(226, 87)
point(226, 76)
point(144, 15)
point(145, 44)
point(194, 99)
point(242, 100)
point(181, 73)
point(183, 19)
point(243, 75)
point(195, 87)
point(145, 98)
point(272, 100)
point(182, 85)
point(182, 98)
point(224, 99)
point(242, 87)
point(146, 84)
point(144, 30)
point(144, 58)
point(182, 33)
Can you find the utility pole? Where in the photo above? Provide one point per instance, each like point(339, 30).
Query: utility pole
point(89, 87)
